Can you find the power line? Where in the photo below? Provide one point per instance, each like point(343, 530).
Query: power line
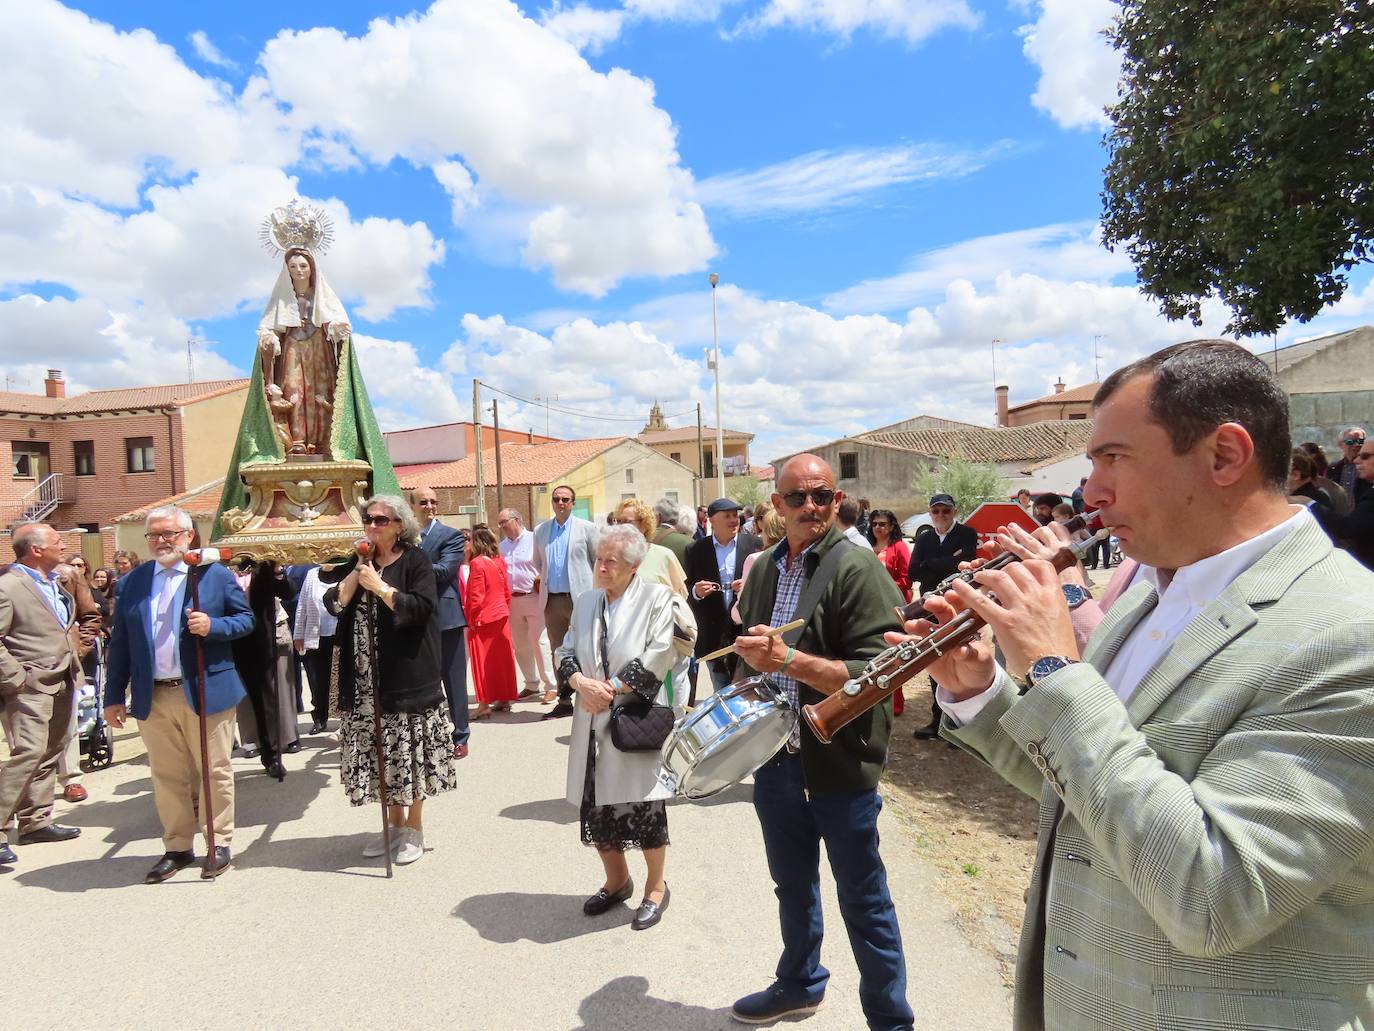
point(579, 412)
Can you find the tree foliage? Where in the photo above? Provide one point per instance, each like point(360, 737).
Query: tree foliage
point(969, 483)
point(1242, 153)
point(745, 490)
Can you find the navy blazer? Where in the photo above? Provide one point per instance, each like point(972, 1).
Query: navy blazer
point(130, 655)
point(444, 547)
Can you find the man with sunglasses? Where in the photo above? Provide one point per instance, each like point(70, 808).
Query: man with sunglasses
point(811, 792)
point(1346, 472)
point(714, 567)
point(444, 547)
point(564, 558)
point(1355, 532)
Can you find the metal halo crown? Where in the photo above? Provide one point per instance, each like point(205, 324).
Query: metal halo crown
point(297, 225)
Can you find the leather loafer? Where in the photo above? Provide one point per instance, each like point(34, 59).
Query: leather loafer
point(7, 856)
point(650, 913)
point(558, 711)
point(52, 832)
point(319, 726)
point(275, 769)
point(292, 748)
point(75, 793)
point(169, 864)
point(216, 864)
point(603, 900)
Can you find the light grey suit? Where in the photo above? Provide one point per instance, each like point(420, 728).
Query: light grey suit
point(581, 557)
point(1206, 851)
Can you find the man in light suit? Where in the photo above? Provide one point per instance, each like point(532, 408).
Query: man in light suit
point(1206, 773)
point(444, 546)
point(152, 648)
point(39, 676)
point(564, 555)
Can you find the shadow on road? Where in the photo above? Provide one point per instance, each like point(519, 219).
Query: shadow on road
point(730, 796)
point(626, 1002)
point(550, 810)
point(508, 917)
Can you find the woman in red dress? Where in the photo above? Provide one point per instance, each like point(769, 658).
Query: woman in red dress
point(486, 603)
point(895, 556)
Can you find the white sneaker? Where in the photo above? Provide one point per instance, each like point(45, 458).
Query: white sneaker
point(412, 846)
point(376, 846)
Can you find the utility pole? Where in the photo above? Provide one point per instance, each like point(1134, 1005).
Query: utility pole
point(191, 344)
point(481, 516)
point(1097, 372)
point(701, 459)
point(500, 484)
point(720, 431)
point(545, 400)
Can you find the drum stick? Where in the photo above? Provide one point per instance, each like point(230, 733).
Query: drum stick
point(770, 632)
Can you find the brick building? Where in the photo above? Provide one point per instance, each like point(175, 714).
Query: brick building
point(78, 462)
point(1066, 403)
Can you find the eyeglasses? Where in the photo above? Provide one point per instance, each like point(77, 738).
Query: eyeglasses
point(820, 497)
point(168, 537)
point(941, 510)
point(879, 524)
point(1353, 441)
point(557, 500)
point(372, 520)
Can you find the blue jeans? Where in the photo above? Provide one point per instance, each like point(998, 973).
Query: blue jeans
point(720, 674)
point(793, 828)
point(454, 667)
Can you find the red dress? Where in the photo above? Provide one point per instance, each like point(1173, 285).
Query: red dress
point(896, 559)
point(491, 656)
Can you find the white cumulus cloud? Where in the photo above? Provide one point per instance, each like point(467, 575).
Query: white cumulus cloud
point(1078, 67)
point(909, 20)
point(207, 51)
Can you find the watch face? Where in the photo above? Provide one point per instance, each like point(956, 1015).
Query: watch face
point(1074, 595)
point(1044, 667)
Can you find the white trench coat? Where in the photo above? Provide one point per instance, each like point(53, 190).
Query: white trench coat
point(643, 630)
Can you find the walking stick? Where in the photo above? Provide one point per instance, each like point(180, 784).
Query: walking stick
point(194, 559)
point(364, 555)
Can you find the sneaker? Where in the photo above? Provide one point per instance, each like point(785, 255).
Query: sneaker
point(376, 846)
point(773, 1003)
point(412, 846)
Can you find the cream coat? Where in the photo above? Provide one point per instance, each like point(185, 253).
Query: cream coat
point(643, 630)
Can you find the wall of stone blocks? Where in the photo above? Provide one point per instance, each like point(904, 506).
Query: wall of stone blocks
point(1321, 417)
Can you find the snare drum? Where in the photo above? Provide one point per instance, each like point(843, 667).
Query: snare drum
point(726, 738)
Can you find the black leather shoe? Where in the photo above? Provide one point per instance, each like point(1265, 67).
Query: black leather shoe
point(650, 913)
point(558, 711)
point(52, 832)
point(603, 900)
point(169, 864)
point(292, 748)
point(319, 726)
point(275, 769)
point(7, 856)
point(927, 733)
point(250, 751)
point(216, 864)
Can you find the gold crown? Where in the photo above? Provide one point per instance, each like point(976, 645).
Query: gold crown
point(297, 225)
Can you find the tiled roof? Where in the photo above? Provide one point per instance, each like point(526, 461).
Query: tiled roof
point(119, 398)
point(1294, 353)
point(689, 433)
point(403, 471)
point(202, 500)
point(521, 464)
point(1032, 443)
point(926, 422)
point(1084, 393)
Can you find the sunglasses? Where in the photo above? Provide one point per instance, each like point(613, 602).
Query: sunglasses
point(562, 501)
point(1353, 441)
point(372, 520)
point(820, 497)
point(941, 510)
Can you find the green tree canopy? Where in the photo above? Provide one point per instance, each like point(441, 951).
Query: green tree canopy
point(969, 483)
point(745, 490)
point(1242, 153)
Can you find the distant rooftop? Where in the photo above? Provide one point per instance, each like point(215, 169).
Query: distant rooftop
point(118, 399)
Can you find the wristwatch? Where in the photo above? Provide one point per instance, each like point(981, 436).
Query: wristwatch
point(1043, 667)
point(1075, 595)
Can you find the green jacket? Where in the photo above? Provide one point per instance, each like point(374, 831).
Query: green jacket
point(854, 613)
point(676, 542)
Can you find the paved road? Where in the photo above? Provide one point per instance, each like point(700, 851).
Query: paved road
point(485, 932)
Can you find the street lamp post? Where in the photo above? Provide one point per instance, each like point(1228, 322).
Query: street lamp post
point(715, 365)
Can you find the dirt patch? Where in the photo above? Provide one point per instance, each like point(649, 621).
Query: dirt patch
point(975, 829)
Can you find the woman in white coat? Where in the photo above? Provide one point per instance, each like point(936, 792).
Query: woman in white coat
point(618, 648)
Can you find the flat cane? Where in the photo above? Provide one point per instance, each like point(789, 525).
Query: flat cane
point(364, 555)
point(195, 559)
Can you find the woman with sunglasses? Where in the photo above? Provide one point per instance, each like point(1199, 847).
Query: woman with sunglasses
point(396, 582)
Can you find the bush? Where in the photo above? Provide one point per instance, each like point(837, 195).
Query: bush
point(970, 483)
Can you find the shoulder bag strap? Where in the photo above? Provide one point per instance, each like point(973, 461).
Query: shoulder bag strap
point(815, 587)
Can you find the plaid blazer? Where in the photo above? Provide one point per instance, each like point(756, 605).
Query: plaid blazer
point(1206, 851)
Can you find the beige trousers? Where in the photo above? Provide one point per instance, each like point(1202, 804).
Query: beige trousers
point(171, 734)
point(526, 627)
point(37, 727)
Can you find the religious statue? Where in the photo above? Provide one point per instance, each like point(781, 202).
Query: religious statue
point(309, 448)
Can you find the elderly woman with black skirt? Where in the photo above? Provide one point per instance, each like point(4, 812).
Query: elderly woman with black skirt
point(397, 582)
point(618, 648)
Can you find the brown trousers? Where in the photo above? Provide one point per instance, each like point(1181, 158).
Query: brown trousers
point(558, 610)
point(38, 726)
point(171, 734)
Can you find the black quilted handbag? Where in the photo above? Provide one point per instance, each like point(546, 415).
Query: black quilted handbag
point(641, 726)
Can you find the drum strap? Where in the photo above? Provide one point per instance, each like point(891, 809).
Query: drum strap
point(815, 587)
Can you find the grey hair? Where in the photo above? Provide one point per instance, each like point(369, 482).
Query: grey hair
point(23, 541)
point(512, 513)
point(410, 526)
point(686, 521)
point(666, 510)
point(176, 512)
point(633, 546)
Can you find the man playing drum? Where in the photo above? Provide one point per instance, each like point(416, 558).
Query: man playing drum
point(811, 792)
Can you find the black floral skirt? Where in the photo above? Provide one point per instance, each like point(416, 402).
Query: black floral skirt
point(622, 825)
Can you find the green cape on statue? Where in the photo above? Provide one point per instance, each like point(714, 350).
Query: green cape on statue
point(354, 435)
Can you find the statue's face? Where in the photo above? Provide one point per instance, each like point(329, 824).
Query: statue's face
point(298, 266)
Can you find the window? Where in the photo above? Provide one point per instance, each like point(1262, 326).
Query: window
point(627, 497)
point(1080, 415)
point(676, 456)
point(849, 466)
point(629, 476)
point(140, 452)
point(23, 465)
point(671, 495)
point(90, 527)
point(84, 451)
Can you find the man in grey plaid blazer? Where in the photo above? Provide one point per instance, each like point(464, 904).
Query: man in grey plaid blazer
point(1206, 772)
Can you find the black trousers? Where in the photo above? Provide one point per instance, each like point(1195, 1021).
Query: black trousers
point(453, 661)
point(319, 665)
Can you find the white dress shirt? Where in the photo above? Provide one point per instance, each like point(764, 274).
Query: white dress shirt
point(852, 532)
point(1181, 600)
point(520, 567)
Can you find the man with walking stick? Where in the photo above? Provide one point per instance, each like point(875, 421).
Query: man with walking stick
point(176, 656)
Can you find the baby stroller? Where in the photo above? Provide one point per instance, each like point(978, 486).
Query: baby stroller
point(97, 742)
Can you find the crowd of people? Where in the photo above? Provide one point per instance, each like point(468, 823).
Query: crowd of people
point(1200, 721)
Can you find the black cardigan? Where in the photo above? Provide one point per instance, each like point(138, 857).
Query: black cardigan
point(407, 637)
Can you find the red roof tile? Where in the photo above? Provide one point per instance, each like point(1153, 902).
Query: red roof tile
point(119, 398)
point(521, 464)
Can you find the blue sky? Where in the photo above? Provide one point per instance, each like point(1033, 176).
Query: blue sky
point(534, 195)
